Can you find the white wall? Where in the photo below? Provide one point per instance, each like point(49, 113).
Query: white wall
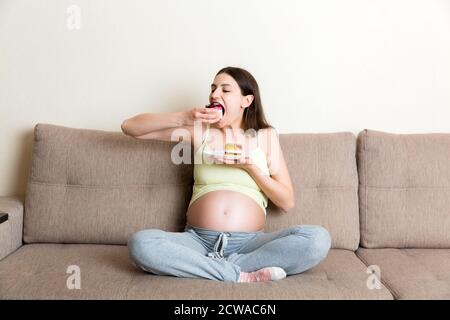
point(322, 66)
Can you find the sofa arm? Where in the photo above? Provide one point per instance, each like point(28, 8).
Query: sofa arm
point(11, 225)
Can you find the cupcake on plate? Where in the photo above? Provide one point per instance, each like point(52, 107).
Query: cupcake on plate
point(233, 151)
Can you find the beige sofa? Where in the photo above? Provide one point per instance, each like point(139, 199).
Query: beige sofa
point(385, 199)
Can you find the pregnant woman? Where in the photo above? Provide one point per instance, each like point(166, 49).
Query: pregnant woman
point(224, 237)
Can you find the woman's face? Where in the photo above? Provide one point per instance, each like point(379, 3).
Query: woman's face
point(226, 91)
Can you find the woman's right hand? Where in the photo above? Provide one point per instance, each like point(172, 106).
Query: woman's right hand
point(203, 114)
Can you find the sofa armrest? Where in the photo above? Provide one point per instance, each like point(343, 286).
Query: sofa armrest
point(11, 225)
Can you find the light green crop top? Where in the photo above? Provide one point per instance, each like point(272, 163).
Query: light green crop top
point(211, 177)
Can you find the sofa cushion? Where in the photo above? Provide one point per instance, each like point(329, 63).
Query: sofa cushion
point(92, 186)
point(404, 189)
point(38, 271)
point(412, 273)
point(323, 170)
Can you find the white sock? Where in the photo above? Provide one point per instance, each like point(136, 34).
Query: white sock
point(264, 274)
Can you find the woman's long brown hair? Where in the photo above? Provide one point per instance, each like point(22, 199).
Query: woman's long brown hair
point(253, 115)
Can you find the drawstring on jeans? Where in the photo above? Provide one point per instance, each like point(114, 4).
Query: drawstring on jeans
point(221, 242)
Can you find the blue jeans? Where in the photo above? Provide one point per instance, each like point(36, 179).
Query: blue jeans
point(203, 253)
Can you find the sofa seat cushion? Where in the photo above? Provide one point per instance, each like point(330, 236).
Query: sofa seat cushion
point(412, 273)
point(39, 271)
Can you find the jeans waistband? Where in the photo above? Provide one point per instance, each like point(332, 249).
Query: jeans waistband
point(221, 238)
point(215, 232)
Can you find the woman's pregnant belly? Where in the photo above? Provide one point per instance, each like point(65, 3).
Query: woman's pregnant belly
point(225, 210)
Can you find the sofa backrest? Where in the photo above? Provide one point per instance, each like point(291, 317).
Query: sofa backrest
point(323, 170)
point(92, 186)
point(404, 189)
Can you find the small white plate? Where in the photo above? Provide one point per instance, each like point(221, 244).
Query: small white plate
point(214, 153)
point(222, 153)
point(231, 157)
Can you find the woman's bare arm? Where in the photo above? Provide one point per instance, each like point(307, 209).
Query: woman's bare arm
point(145, 123)
point(149, 122)
point(278, 185)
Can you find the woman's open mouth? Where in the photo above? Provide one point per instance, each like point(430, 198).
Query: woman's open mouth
point(216, 105)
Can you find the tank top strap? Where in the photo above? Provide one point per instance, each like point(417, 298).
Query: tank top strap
point(258, 137)
point(203, 143)
point(206, 133)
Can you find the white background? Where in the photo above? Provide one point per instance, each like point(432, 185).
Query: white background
point(322, 66)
